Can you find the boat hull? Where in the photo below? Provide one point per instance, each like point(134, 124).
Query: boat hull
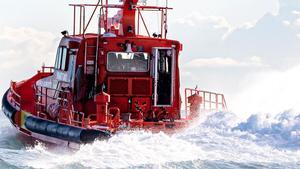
point(8, 109)
point(49, 131)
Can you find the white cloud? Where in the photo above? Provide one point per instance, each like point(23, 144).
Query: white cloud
point(272, 38)
point(195, 19)
point(22, 53)
point(253, 61)
point(297, 22)
point(236, 12)
point(286, 23)
point(25, 46)
point(296, 12)
point(18, 35)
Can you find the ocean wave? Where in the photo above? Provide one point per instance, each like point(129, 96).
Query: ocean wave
point(217, 139)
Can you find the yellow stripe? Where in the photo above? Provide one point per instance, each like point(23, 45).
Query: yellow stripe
point(23, 117)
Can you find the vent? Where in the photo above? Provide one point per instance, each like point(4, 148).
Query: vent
point(118, 86)
point(141, 87)
point(130, 86)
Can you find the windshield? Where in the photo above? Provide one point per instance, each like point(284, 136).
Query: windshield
point(61, 61)
point(127, 62)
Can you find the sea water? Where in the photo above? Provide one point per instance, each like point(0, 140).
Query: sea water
point(258, 133)
point(216, 140)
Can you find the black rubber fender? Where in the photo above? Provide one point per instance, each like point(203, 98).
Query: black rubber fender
point(64, 132)
point(52, 129)
point(8, 109)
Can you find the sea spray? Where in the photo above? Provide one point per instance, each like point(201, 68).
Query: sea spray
point(219, 140)
point(269, 92)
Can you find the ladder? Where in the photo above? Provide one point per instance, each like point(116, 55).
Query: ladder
point(90, 59)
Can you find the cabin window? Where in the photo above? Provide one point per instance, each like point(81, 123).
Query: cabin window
point(127, 62)
point(165, 64)
point(64, 59)
point(61, 61)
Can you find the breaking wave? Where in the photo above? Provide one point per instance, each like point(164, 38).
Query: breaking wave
point(243, 139)
point(218, 140)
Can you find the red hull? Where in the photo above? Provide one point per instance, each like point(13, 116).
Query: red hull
point(107, 82)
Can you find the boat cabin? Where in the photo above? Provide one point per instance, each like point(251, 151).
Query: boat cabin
point(139, 72)
point(121, 77)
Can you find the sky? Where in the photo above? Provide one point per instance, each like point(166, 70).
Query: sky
point(228, 44)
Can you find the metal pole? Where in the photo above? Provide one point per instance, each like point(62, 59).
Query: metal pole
point(97, 52)
point(162, 23)
point(80, 20)
point(217, 102)
point(156, 77)
point(74, 21)
point(166, 23)
point(91, 17)
point(106, 15)
point(83, 20)
point(144, 24)
point(138, 22)
point(210, 101)
point(165, 19)
point(186, 109)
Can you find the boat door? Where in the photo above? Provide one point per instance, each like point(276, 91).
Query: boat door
point(72, 66)
point(163, 73)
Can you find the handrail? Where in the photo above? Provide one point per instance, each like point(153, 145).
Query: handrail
point(104, 6)
point(49, 68)
point(15, 97)
point(120, 6)
point(77, 118)
point(211, 101)
point(42, 96)
point(12, 87)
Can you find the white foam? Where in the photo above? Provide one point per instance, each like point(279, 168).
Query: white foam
point(219, 137)
point(260, 131)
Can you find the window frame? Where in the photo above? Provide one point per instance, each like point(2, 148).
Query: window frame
point(119, 71)
point(62, 59)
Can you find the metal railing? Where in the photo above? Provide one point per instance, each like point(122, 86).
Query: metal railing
point(14, 97)
point(47, 69)
point(82, 22)
point(210, 101)
point(68, 115)
point(77, 118)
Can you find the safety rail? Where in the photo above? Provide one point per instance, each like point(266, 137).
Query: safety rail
point(41, 100)
point(89, 120)
point(47, 69)
point(210, 101)
point(71, 117)
point(14, 97)
point(103, 6)
point(77, 118)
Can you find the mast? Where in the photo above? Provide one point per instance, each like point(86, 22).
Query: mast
point(128, 17)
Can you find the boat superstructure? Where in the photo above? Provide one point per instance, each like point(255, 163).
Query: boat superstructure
point(120, 78)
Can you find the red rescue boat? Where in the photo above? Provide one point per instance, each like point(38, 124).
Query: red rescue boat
point(115, 79)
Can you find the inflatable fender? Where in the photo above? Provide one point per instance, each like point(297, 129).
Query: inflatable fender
point(8, 109)
point(64, 132)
